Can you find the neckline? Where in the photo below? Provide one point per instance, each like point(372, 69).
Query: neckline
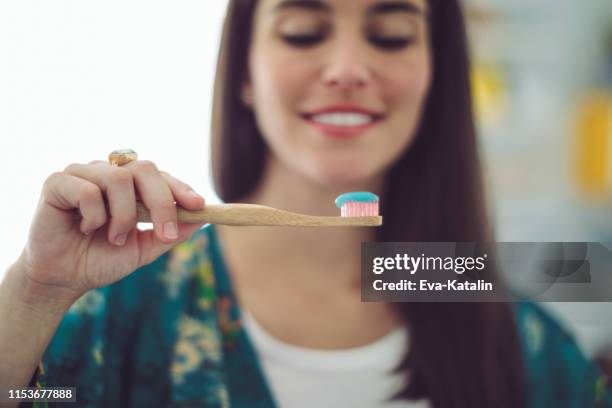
point(382, 353)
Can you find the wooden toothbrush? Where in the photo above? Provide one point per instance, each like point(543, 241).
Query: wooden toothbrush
point(358, 209)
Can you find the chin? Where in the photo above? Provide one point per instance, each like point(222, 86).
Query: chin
point(344, 177)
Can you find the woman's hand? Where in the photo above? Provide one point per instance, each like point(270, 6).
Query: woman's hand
point(84, 233)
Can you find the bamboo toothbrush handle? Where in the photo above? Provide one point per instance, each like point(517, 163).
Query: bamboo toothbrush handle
point(252, 214)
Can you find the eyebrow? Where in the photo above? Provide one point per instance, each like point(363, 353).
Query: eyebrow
point(312, 5)
point(380, 8)
point(395, 6)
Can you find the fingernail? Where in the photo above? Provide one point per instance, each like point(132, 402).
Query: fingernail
point(170, 230)
point(120, 239)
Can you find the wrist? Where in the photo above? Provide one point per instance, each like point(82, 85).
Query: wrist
point(34, 296)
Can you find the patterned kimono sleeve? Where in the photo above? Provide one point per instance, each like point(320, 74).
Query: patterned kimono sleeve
point(74, 356)
point(89, 349)
point(559, 374)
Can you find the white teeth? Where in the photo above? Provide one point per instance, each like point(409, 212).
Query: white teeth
point(343, 119)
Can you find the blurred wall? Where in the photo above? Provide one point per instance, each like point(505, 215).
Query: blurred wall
point(542, 72)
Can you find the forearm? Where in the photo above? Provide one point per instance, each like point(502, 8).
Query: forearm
point(28, 321)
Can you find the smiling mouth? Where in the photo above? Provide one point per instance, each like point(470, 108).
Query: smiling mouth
point(342, 125)
point(343, 119)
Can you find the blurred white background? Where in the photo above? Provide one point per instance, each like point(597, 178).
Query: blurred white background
point(79, 78)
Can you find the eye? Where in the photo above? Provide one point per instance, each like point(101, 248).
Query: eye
point(390, 43)
point(303, 40)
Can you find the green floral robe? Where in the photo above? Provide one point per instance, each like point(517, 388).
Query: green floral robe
point(169, 335)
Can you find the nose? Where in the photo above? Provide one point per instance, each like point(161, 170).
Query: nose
point(346, 67)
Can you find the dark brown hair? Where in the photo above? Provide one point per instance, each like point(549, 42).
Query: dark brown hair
point(461, 354)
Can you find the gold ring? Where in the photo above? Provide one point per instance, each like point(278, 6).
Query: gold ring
point(121, 157)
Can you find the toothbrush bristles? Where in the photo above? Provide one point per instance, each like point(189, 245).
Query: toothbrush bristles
point(359, 209)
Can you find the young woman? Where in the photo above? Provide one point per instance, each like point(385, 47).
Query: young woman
point(313, 98)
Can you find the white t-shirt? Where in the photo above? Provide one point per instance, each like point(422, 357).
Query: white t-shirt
point(357, 377)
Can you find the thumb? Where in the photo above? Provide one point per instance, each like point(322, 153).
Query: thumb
point(152, 248)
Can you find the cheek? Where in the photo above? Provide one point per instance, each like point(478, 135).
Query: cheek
point(278, 94)
point(408, 84)
point(407, 88)
point(275, 86)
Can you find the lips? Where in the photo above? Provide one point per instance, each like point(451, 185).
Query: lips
point(343, 121)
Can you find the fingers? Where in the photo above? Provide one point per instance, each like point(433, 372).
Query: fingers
point(157, 197)
point(118, 185)
point(91, 207)
point(183, 193)
point(107, 164)
point(85, 186)
point(67, 192)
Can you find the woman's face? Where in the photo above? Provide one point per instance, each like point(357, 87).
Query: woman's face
point(338, 86)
